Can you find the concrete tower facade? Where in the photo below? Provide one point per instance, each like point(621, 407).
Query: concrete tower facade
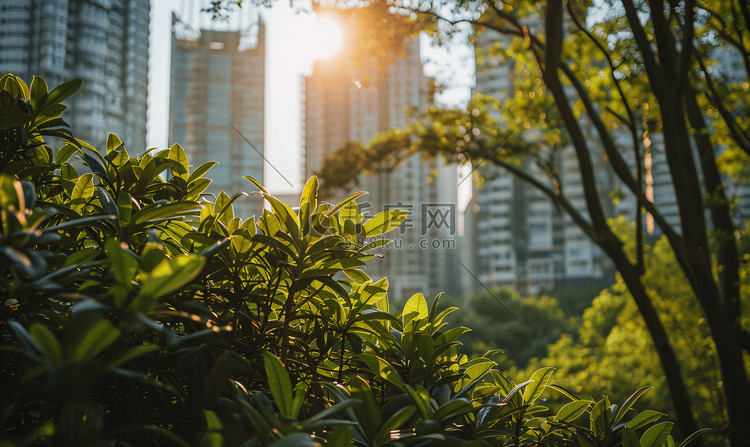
point(346, 101)
point(103, 42)
point(216, 108)
point(522, 240)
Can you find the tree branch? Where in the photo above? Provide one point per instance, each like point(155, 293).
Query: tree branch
point(742, 140)
point(649, 59)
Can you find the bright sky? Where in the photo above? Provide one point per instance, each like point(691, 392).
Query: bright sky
point(288, 56)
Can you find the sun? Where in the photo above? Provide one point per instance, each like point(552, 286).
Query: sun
point(328, 38)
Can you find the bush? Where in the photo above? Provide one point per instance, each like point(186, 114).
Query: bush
point(137, 313)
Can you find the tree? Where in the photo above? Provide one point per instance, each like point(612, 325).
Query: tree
point(610, 352)
point(521, 327)
point(619, 67)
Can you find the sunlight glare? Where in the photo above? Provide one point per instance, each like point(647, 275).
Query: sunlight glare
point(328, 37)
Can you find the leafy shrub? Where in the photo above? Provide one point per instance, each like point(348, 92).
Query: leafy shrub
point(137, 313)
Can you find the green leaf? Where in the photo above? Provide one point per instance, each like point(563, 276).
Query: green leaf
point(331, 267)
point(384, 222)
point(279, 382)
point(300, 391)
point(395, 422)
point(415, 309)
point(256, 183)
point(384, 370)
point(113, 142)
point(201, 170)
point(108, 204)
point(644, 418)
point(344, 202)
point(693, 436)
point(123, 265)
point(453, 408)
point(357, 276)
point(308, 203)
point(213, 425)
point(629, 403)
point(101, 335)
point(49, 113)
point(38, 90)
point(15, 86)
point(322, 416)
point(48, 343)
point(535, 389)
point(630, 438)
point(12, 118)
point(476, 443)
point(180, 168)
point(63, 91)
point(572, 410)
point(168, 276)
point(196, 187)
point(131, 354)
point(84, 188)
point(421, 398)
point(451, 334)
point(64, 153)
point(286, 216)
point(163, 210)
point(340, 437)
point(599, 418)
point(367, 411)
point(657, 435)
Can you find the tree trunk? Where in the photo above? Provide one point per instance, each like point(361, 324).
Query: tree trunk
point(672, 370)
point(602, 234)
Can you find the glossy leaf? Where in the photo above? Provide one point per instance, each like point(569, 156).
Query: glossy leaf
point(278, 380)
point(539, 381)
point(571, 411)
point(657, 435)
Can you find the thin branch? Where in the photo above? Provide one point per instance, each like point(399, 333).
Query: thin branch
point(649, 59)
point(687, 45)
point(742, 140)
point(612, 152)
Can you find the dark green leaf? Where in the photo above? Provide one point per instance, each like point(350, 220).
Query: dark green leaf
point(96, 339)
point(657, 435)
point(63, 91)
point(572, 410)
point(644, 418)
point(279, 382)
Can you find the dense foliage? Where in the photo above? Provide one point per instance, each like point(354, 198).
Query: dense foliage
point(521, 328)
point(137, 313)
point(609, 351)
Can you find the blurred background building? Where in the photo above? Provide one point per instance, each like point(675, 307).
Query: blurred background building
point(217, 104)
point(519, 238)
point(348, 99)
point(103, 42)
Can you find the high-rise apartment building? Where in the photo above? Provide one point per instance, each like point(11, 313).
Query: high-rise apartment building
point(216, 108)
point(351, 101)
point(521, 239)
point(103, 42)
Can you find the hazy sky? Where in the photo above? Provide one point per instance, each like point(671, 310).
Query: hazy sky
point(288, 57)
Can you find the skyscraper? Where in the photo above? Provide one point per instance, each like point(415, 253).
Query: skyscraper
point(351, 101)
point(103, 42)
point(216, 108)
